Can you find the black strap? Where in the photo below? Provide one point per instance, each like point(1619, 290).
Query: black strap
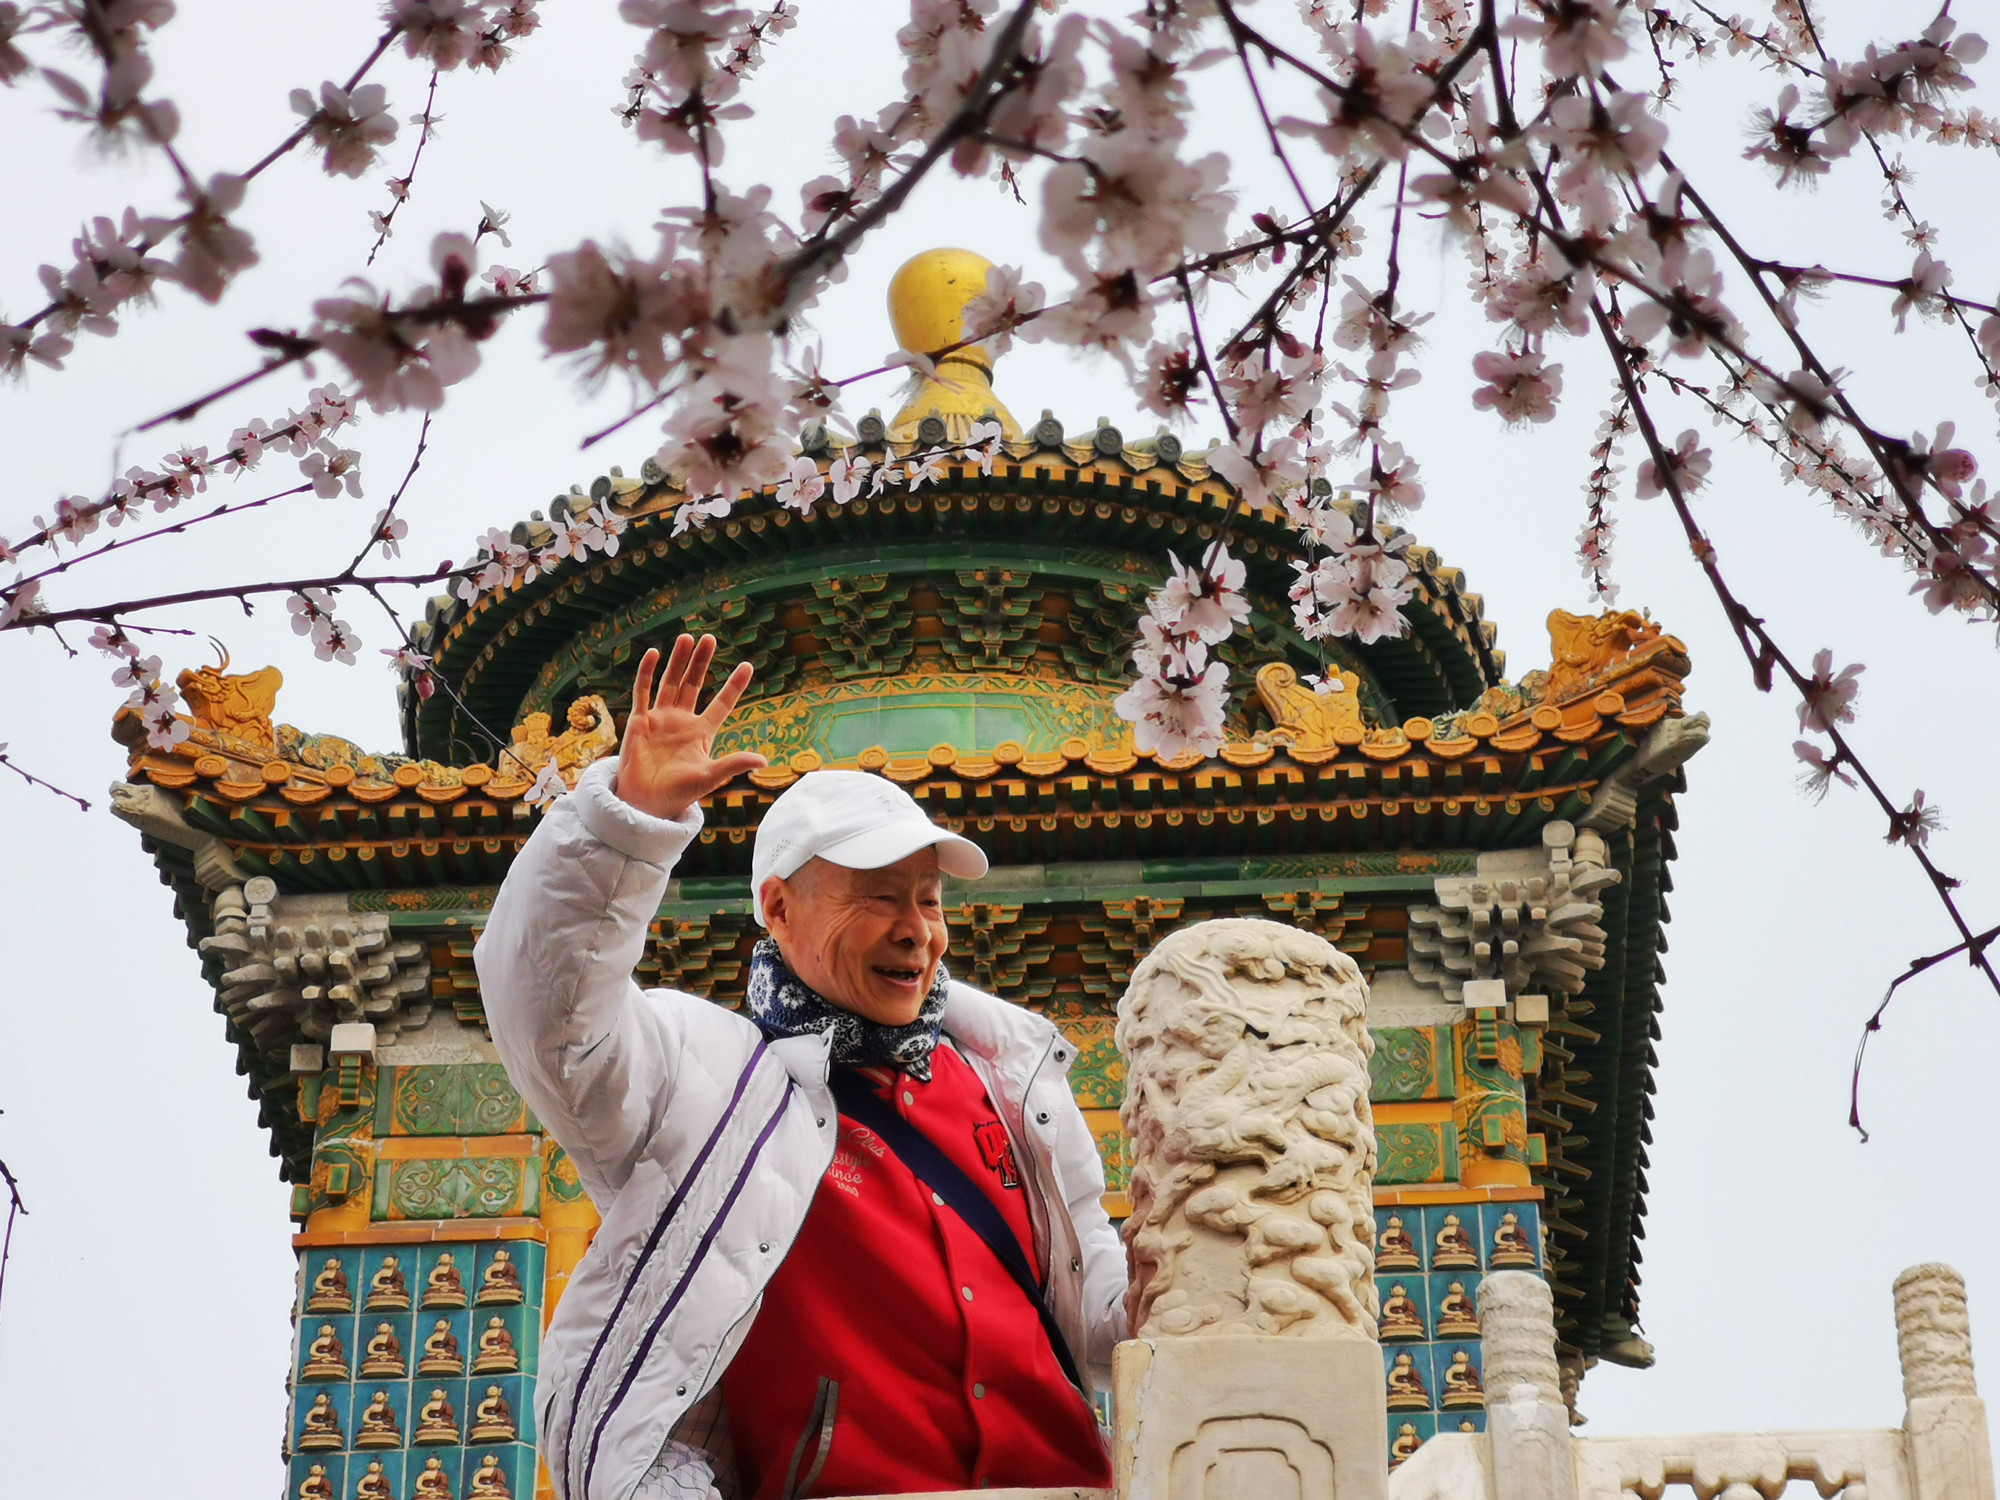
point(859, 1102)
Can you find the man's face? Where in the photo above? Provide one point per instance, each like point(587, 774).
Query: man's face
point(869, 941)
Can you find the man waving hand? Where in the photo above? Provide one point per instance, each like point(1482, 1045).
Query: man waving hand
point(852, 1238)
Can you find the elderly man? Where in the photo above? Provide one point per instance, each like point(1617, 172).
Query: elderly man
point(852, 1238)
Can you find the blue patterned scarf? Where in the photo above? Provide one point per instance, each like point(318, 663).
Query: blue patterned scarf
point(783, 1005)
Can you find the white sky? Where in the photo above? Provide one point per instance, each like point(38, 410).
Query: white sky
point(145, 1325)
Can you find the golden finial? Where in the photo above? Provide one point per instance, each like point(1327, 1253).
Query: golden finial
point(927, 300)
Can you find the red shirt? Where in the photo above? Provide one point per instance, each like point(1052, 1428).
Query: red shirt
point(947, 1380)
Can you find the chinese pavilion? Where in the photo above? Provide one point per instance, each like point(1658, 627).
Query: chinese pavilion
point(1492, 852)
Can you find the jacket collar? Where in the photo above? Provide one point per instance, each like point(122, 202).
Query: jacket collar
point(1011, 1037)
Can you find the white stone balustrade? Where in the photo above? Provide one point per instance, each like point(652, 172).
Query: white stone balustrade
point(1254, 1371)
point(1940, 1453)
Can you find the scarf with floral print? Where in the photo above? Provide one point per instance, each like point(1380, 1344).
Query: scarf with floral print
point(783, 1005)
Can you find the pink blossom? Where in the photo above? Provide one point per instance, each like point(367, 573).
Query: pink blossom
point(1169, 720)
point(212, 250)
point(803, 483)
point(1008, 304)
point(331, 469)
point(136, 671)
point(1262, 477)
point(548, 786)
point(165, 729)
point(1207, 603)
point(1922, 290)
point(619, 311)
point(347, 127)
point(1915, 824)
point(1687, 466)
point(1578, 37)
point(845, 475)
point(1827, 698)
point(1794, 148)
point(1821, 769)
point(1520, 387)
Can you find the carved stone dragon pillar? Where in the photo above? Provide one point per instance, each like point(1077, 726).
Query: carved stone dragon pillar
point(1253, 1366)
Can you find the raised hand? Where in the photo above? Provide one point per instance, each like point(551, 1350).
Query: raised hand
point(664, 765)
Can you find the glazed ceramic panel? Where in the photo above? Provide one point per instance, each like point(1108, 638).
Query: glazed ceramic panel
point(1451, 1238)
point(1410, 1225)
point(1514, 1245)
point(1416, 1292)
point(1454, 1305)
point(371, 1432)
point(317, 1476)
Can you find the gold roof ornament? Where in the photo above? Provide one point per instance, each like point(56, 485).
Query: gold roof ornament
point(927, 299)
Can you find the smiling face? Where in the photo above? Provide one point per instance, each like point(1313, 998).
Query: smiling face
point(869, 941)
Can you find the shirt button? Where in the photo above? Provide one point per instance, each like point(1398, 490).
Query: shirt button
point(765, 1247)
point(979, 1393)
point(1076, 1263)
point(967, 1292)
point(822, 1123)
point(909, 1099)
point(938, 1199)
point(1042, 1117)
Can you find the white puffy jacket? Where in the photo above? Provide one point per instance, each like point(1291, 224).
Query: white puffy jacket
point(702, 1143)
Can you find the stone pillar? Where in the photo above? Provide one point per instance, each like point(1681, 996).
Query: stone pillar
point(1944, 1420)
point(1253, 1367)
point(1527, 1421)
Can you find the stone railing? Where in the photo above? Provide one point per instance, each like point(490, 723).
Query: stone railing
point(1941, 1452)
point(1254, 1373)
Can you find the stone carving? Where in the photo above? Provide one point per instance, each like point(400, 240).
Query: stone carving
point(1304, 717)
point(1246, 1050)
point(294, 967)
point(1518, 1336)
point(1528, 917)
point(1933, 1333)
point(1672, 742)
point(237, 707)
point(592, 735)
point(158, 817)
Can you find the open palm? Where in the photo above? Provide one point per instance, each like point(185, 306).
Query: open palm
point(665, 765)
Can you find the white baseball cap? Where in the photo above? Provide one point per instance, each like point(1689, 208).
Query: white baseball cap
point(853, 819)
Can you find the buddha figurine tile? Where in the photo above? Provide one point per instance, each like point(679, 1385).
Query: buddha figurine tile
point(497, 1354)
point(501, 1281)
point(436, 1421)
point(374, 1483)
point(1457, 1315)
point(319, 1429)
point(388, 1290)
point(1408, 1440)
point(1512, 1249)
point(441, 1354)
point(382, 1358)
point(488, 1482)
point(443, 1287)
point(325, 1358)
point(492, 1419)
point(1394, 1249)
point(1402, 1319)
point(378, 1426)
point(330, 1292)
point(1452, 1248)
point(1459, 1385)
point(315, 1485)
point(1407, 1391)
point(432, 1483)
